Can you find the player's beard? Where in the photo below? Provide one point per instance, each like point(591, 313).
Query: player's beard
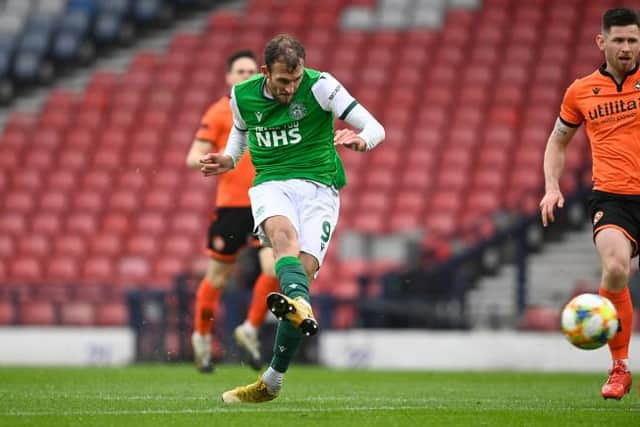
point(626, 63)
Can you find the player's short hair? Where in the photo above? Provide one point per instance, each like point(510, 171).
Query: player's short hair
point(619, 17)
point(286, 49)
point(245, 53)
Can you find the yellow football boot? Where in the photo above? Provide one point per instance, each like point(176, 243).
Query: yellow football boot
point(252, 393)
point(297, 311)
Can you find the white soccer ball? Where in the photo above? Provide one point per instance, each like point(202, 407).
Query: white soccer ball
point(589, 321)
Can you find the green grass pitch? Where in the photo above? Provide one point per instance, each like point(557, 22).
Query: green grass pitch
point(176, 395)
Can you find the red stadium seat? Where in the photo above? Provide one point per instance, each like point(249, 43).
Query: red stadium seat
point(7, 246)
point(34, 245)
point(112, 314)
point(405, 221)
point(88, 202)
point(7, 313)
point(158, 200)
point(105, 243)
point(12, 223)
point(116, 222)
point(18, 201)
point(54, 202)
point(416, 177)
point(61, 99)
point(194, 200)
point(71, 159)
point(99, 270)
point(124, 201)
point(142, 245)
point(372, 222)
point(62, 269)
point(165, 269)
point(412, 201)
point(133, 270)
point(483, 202)
point(62, 180)
point(8, 158)
point(77, 314)
point(179, 246)
point(107, 158)
point(27, 180)
point(46, 223)
point(37, 313)
point(71, 244)
point(454, 178)
point(97, 180)
point(82, 223)
point(375, 201)
point(188, 222)
point(151, 223)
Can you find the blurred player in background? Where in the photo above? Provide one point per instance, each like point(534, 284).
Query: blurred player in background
point(608, 102)
point(231, 227)
point(285, 116)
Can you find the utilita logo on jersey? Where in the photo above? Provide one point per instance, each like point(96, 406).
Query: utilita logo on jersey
point(613, 111)
point(278, 137)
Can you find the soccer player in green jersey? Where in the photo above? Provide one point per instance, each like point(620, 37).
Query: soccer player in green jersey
point(285, 116)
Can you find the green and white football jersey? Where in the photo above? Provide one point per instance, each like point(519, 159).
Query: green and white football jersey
point(293, 141)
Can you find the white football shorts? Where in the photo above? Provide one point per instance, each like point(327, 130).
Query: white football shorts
point(311, 207)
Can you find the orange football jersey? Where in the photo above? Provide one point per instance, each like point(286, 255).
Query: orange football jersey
point(611, 113)
point(234, 185)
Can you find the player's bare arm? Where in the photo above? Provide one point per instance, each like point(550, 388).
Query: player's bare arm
point(198, 149)
point(554, 156)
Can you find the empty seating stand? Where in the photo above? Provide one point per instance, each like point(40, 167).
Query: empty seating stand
point(467, 91)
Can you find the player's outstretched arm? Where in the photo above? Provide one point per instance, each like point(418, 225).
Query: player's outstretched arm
point(554, 156)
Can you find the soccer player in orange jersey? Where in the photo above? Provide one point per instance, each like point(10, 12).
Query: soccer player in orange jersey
point(608, 103)
point(230, 230)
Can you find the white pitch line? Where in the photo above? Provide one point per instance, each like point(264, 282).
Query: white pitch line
point(262, 409)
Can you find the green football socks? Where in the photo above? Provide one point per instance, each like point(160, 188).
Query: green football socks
point(294, 283)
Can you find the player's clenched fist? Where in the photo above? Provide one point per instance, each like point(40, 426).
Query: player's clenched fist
point(215, 164)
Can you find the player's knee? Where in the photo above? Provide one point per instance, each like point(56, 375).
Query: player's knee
point(616, 271)
point(217, 276)
point(284, 242)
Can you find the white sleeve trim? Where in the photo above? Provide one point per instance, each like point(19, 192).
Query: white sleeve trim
point(371, 131)
point(238, 121)
point(331, 95)
point(237, 141)
point(236, 144)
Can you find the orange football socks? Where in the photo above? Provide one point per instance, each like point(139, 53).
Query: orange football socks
point(258, 308)
point(207, 299)
point(619, 344)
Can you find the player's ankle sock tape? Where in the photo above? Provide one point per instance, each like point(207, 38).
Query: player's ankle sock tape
point(288, 339)
point(293, 279)
point(273, 379)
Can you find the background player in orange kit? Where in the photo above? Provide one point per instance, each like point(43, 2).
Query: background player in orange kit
point(608, 102)
point(230, 230)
